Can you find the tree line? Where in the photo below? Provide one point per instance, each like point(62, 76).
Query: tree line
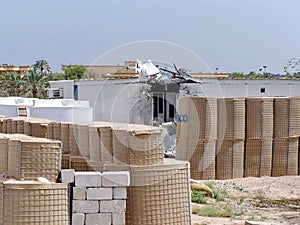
point(291, 70)
point(35, 82)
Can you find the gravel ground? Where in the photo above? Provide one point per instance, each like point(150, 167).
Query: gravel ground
point(266, 200)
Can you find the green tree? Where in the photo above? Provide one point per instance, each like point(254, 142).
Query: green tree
point(35, 84)
point(237, 75)
point(56, 76)
point(292, 67)
point(72, 72)
point(11, 84)
point(42, 67)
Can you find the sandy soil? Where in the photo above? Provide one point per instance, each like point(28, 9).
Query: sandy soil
point(266, 200)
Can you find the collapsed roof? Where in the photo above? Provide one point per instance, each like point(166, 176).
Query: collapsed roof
point(163, 73)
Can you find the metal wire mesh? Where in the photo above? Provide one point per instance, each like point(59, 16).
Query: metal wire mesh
point(286, 117)
point(30, 202)
point(20, 126)
point(202, 159)
point(142, 148)
point(65, 161)
point(6, 125)
point(106, 144)
point(4, 153)
point(294, 121)
point(38, 129)
point(258, 158)
point(65, 137)
point(50, 131)
point(159, 195)
point(29, 159)
point(230, 159)
point(73, 140)
point(56, 131)
point(79, 163)
point(83, 139)
point(94, 143)
point(231, 118)
point(285, 156)
point(259, 118)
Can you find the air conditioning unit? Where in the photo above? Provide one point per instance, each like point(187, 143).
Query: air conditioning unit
point(55, 93)
point(23, 111)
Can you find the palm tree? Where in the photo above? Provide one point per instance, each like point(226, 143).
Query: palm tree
point(11, 84)
point(42, 66)
point(35, 84)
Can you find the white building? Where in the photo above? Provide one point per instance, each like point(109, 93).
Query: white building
point(136, 101)
point(60, 110)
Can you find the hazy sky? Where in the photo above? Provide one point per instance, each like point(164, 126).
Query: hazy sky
point(233, 35)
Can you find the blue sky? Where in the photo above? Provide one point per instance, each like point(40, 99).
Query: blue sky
point(233, 35)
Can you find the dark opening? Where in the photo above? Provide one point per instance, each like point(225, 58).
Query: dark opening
point(262, 90)
point(75, 92)
point(161, 105)
point(171, 111)
point(155, 112)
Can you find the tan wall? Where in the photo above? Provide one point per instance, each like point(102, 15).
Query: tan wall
point(119, 71)
point(21, 70)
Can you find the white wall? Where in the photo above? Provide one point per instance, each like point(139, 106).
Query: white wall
point(66, 85)
point(58, 114)
point(117, 101)
point(82, 114)
point(61, 110)
point(243, 88)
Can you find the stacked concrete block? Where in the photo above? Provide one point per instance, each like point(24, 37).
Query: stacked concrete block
point(98, 198)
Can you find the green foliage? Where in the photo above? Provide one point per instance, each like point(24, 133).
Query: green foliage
point(42, 66)
point(219, 195)
point(264, 75)
point(73, 72)
point(198, 197)
point(214, 211)
point(239, 188)
point(56, 76)
point(210, 184)
point(35, 84)
point(259, 197)
point(292, 67)
point(237, 75)
point(11, 84)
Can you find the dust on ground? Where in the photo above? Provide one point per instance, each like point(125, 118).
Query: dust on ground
point(265, 200)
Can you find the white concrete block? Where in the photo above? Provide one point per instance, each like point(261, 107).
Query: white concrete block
point(79, 193)
point(113, 206)
point(67, 176)
point(81, 206)
point(99, 193)
point(120, 193)
point(98, 219)
point(78, 219)
point(118, 218)
point(115, 179)
point(87, 179)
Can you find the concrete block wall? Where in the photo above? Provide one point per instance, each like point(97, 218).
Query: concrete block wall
point(97, 197)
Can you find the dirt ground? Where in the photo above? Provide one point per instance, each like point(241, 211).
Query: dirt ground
point(266, 200)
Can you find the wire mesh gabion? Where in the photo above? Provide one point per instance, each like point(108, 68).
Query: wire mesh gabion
point(34, 157)
point(33, 202)
point(159, 194)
